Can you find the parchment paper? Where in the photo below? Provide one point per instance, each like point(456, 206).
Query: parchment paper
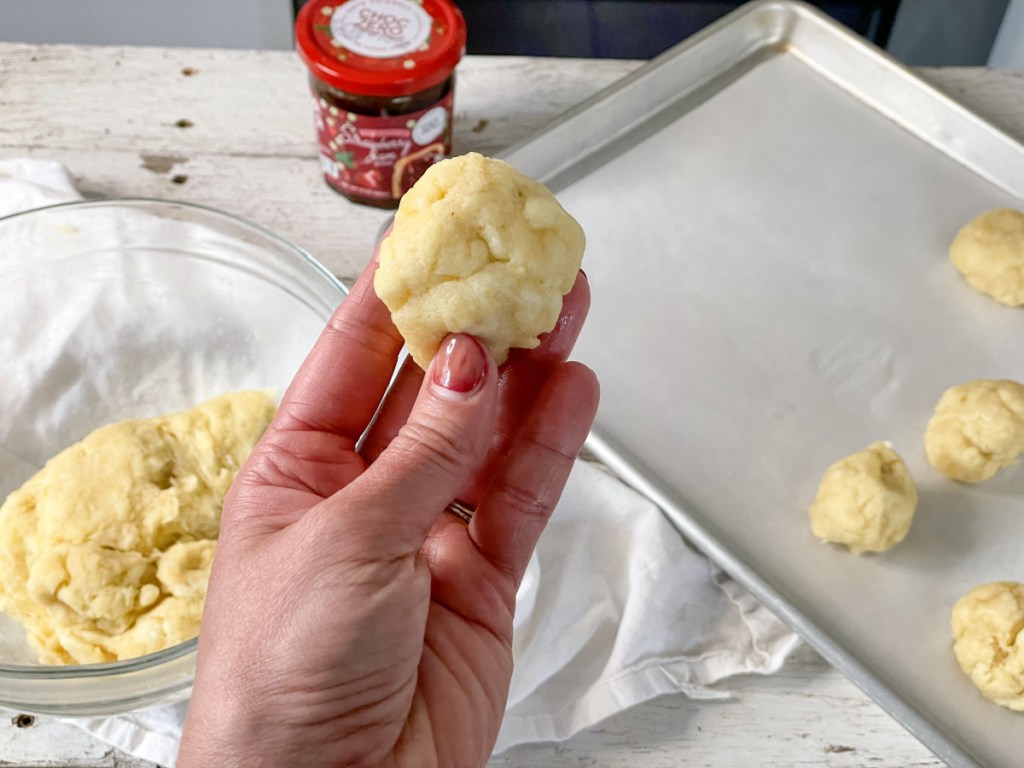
point(771, 292)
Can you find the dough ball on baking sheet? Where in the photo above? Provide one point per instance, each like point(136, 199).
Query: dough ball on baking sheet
point(989, 252)
point(865, 501)
point(977, 429)
point(988, 635)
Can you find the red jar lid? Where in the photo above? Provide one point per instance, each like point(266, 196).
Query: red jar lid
point(380, 47)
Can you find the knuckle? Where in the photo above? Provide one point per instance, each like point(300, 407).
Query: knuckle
point(556, 450)
point(370, 335)
point(526, 503)
point(440, 445)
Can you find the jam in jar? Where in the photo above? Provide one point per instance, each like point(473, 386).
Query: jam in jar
point(382, 77)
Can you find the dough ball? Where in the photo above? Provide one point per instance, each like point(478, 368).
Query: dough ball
point(977, 429)
point(988, 635)
point(477, 248)
point(865, 501)
point(106, 551)
point(989, 252)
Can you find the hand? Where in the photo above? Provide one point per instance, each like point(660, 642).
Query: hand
point(350, 620)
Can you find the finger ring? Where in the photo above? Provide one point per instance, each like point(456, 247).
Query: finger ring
point(460, 510)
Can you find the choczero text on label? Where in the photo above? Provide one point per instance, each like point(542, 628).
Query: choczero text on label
point(386, 24)
point(381, 29)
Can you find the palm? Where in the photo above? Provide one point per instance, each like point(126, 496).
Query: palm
point(464, 648)
point(463, 674)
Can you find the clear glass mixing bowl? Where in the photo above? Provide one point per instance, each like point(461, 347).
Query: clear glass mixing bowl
point(122, 309)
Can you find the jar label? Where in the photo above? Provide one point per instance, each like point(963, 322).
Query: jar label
point(381, 29)
point(380, 158)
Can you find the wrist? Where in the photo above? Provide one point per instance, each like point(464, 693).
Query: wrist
point(222, 731)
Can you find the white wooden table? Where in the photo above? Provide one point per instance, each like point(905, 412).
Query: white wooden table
point(232, 129)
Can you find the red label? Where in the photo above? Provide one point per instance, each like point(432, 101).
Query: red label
point(380, 158)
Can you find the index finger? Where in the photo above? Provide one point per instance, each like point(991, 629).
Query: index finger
point(341, 383)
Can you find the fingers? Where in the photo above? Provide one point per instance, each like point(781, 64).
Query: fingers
point(516, 506)
point(394, 412)
point(523, 376)
point(556, 345)
point(519, 380)
point(339, 386)
point(444, 440)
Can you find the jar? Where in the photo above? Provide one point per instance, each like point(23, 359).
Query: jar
point(383, 83)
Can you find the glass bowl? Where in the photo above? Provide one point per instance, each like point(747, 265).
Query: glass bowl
point(121, 309)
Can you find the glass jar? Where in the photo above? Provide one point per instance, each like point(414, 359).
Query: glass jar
point(383, 82)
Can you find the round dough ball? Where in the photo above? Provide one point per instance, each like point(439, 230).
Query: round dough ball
point(989, 643)
point(977, 429)
point(989, 252)
point(865, 501)
point(477, 248)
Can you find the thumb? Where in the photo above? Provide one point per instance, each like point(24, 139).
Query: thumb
point(443, 442)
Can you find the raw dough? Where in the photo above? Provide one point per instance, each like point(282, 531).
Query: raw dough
point(977, 429)
point(477, 248)
point(988, 630)
point(865, 501)
point(989, 252)
point(105, 552)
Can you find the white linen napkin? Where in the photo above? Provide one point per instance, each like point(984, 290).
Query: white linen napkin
point(615, 609)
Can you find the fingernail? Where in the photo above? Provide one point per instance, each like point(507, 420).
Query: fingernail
point(460, 365)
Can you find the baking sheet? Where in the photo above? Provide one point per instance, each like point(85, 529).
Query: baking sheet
point(768, 211)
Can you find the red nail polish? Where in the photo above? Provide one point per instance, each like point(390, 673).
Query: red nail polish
point(460, 364)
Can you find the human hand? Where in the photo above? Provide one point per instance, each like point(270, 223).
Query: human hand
point(349, 619)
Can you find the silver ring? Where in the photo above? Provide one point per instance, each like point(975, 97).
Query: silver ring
point(461, 511)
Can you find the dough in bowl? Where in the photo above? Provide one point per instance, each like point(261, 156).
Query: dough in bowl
point(977, 429)
point(477, 248)
point(988, 634)
point(989, 252)
point(106, 551)
point(865, 501)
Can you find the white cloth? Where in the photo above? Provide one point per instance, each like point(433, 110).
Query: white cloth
point(28, 183)
point(615, 608)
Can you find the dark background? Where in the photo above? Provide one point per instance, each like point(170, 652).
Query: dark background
point(918, 32)
point(627, 29)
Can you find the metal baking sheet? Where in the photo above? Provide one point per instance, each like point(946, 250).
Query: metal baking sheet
point(768, 210)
